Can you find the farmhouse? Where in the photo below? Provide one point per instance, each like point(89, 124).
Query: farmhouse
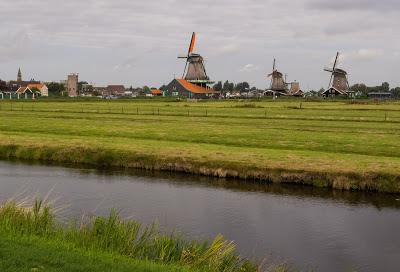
point(117, 90)
point(44, 91)
point(183, 88)
point(156, 92)
point(27, 92)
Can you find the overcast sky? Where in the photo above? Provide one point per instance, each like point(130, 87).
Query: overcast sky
point(137, 42)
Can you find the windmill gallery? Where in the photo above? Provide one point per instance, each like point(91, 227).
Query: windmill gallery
point(195, 83)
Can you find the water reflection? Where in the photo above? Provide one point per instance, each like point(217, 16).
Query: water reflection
point(312, 227)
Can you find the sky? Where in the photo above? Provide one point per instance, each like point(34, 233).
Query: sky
point(136, 43)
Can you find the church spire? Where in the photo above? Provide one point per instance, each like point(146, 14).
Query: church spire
point(19, 76)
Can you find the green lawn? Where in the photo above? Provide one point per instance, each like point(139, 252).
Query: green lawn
point(335, 144)
point(19, 254)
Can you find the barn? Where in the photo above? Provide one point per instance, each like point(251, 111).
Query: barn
point(183, 88)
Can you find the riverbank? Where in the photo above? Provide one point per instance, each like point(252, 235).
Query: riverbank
point(336, 145)
point(32, 240)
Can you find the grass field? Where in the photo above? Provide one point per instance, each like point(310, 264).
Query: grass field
point(328, 144)
point(27, 254)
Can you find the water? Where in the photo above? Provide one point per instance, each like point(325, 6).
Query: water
point(310, 228)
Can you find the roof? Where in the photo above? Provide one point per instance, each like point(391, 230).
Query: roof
point(38, 86)
point(22, 90)
point(194, 88)
point(155, 91)
point(116, 88)
point(336, 89)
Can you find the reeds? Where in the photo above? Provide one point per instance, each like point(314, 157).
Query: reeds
point(127, 238)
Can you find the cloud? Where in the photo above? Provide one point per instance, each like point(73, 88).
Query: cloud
point(228, 49)
point(249, 68)
point(351, 5)
point(98, 37)
point(363, 55)
point(14, 46)
point(127, 64)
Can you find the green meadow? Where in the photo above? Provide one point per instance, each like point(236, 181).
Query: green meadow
point(339, 144)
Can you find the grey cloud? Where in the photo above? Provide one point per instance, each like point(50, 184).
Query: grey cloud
point(350, 5)
point(138, 41)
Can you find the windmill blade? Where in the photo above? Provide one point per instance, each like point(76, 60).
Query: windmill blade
point(190, 50)
point(336, 60)
point(192, 42)
point(333, 69)
point(273, 66)
point(330, 81)
point(184, 70)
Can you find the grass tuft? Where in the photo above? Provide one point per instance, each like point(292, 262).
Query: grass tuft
point(126, 238)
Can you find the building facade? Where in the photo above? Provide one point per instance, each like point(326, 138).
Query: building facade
point(72, 85)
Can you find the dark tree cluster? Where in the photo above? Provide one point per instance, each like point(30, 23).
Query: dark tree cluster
point(384, 87)
point(55, 89)
point(231, 87)
point(3, 85)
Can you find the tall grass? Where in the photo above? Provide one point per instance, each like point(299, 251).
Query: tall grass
point(127, 238)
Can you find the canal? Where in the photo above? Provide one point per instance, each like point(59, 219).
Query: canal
point(308, 228)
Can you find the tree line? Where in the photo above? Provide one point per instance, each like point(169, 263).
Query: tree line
point(364, 90)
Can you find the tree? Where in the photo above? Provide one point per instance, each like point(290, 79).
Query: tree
point(146, 89)
point(227, 87)
point(218, 86)
point(360, 87)
point(3, 85)
point(80, 85)
point(396, 92)
point(385, 87)
point(55, 89)
point(242, 86)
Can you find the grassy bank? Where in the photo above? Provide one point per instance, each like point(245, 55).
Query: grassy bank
point(326, 144)
point(32, 240)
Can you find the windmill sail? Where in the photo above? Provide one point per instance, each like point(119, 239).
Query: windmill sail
point(192, 42)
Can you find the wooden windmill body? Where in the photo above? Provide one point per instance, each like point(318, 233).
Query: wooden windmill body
point(338, 84)
point(195, 71)
point(278, 84)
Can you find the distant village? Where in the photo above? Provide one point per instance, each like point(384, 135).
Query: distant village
point(196, 84)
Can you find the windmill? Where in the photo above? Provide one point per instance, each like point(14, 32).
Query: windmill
point(338, 84)
point(278, 83)
point(194, 71)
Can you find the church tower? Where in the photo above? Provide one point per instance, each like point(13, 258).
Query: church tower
point(19, 76)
